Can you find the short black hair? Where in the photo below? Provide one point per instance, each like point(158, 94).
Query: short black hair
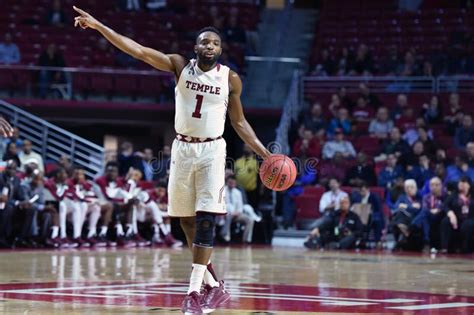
point(208, 29)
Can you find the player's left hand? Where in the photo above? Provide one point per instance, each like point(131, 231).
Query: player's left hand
point(5, 129)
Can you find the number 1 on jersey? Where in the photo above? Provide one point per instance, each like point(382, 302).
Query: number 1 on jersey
point(197, 110)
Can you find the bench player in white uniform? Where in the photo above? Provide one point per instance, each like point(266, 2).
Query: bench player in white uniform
point(205, 91)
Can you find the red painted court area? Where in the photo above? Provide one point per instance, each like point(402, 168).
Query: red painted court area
point(245, 297)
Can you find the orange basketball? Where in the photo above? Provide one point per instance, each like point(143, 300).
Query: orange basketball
point(278, 172)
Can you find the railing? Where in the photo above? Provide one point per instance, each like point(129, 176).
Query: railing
point(53, 142)
point(290, 112)
point(390, 84)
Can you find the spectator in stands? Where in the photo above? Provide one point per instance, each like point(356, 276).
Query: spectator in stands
point(453, 118)
point(233, 32)
point(397, 189)
point(429, 218)
point(331, 198)
point(345, 62)
point(315, 120)
point(377, 220)
point(421, 172)
point(163, 163)
point(402, 103)
point(390, 172)
point(363, 63)
point(426, 137)
point(465, 133)
point(12, 199)
point(381, 126)
point(371, 99)
point(51, 57)
point(147, 164)
point(342, 230)
point(432, 112)
point(246, 173)
point(459, 221)
point(127, 158)
point(411, 159)
point(395, 144)
point(441, 157)
point(27, 154)
point(335, 105)
point(326, 65)
point(470, 154)
point(345, 100)
point(338, 145)
point(407, 207)
point(341, 122)
point(458, 170)
point(361, 172)
point(235, 212)
point(12, 154)
point(308, 146)
point(56, 15)
point(306, 177)
point(15, 138)
point(334, 168)
point(409, 67)
point(362, 112)
point(413, 133)
point(9, 52)
point(407, 120)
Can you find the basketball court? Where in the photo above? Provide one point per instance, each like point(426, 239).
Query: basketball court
point(261, 279)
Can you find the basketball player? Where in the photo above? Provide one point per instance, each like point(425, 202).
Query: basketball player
point(205, 90)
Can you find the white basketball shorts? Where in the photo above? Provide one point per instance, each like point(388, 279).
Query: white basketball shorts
point(196, 181)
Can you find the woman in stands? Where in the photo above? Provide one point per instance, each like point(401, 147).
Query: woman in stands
point(457, 228)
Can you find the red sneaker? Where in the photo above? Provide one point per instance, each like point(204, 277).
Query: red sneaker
point(213, 297)
point(140, 241)
point(192, 304)
point(170, 241)
point(81, 242)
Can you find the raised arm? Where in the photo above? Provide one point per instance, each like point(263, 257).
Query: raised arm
point(170, 63)
point(237, 118)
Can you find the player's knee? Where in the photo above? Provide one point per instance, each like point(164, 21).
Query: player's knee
point(205, 223)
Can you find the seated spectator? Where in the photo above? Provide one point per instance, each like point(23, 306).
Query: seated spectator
point(127, 158)
point(15, 138)
point(453, 109)
point(326, 65)
point(441, 157)
point(402, 103)
point(426, 138)
point(371, 99)
point(342, 230)
point(363, 63)
point(407, 207)
point(465, 133)
point(235, 212)
point(421, 172)
point(342, 122)
point(459, 169)
point(390, 172)
point(56, 16)
point(453, 125)
point(308, 146)
point(429, 218)
point(394, 193)
point(407, 120)
point(414, 133)
point(28, 155)
point(12, 154)
point(335, 105)
point(377, 220)
point(12, 199)
point(233, 32)
point(338, 145)
point(470, 153)
point(335, 168)
point(346, 101)
point(381, 126)
point(315, 121)
point(362, 112)
point(9, 52)
point(305, 178)
point(433, 112)
point(360, 173)
point(412, 158)
point(51, 57)
point(408, 67)
point(457, 227)
point(331, 198)
point(395, 144)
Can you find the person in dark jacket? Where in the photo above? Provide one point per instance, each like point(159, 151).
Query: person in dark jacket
point(341, 232)
point(457, 228)
point(377, 219)
point(362, 172)
point(11, 153)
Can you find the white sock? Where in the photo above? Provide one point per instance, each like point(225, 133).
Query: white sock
point(77, 222)
point(103, 230)
point(156, 229)
point(129, 231)
point(119, 229)
point(209, 278)
point(197, 275)
point(54, 231)
point(91, 233)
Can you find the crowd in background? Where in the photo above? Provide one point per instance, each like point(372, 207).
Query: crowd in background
point(426, 192)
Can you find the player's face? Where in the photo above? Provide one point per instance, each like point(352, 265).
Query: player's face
point(112, 173)
point(79, 175)
point(208, 48)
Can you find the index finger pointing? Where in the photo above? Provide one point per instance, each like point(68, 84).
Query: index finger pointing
point(82, 12)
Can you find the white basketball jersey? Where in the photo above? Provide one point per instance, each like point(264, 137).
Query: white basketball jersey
point(201, 101)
